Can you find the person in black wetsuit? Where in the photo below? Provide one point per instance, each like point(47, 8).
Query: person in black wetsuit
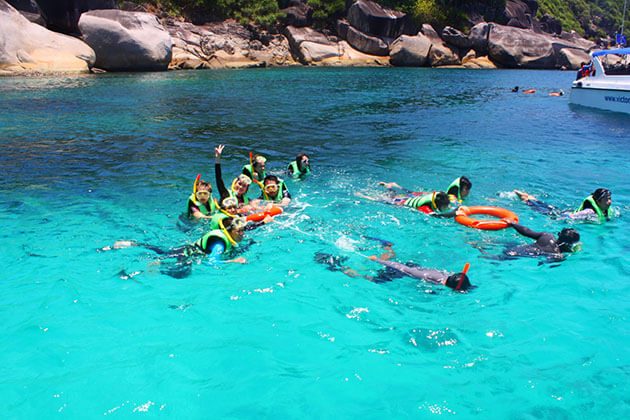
point(219, 245)
point(393, 270)
point(546, 243)
point(239, 186)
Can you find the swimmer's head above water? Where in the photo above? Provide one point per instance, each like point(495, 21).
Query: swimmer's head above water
point(603, 198)
point(458, 282)
point(441, 201)
point(567, 238)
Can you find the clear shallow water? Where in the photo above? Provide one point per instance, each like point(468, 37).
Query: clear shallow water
point(90, 160)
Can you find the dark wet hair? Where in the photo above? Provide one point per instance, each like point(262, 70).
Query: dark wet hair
point(203, 185)
point(465, 182)
point(566, 238)
point(271, 178)
point(600, 193)
point(441, 200)
point(453, 280)
point(298, 160)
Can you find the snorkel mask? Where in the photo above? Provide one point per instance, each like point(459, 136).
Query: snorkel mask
point(238, 223)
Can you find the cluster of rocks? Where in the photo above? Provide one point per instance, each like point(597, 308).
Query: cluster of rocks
point(96, 34)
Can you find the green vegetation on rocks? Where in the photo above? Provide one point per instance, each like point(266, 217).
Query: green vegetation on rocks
point(592, 18)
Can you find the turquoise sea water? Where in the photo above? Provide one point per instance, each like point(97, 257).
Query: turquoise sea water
point(86, 161)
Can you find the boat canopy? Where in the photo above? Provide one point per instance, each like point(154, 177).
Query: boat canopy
point(615, 51)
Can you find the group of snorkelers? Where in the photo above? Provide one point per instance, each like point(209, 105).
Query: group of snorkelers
point(227, 222)
point(531, 91)
point(595, 207)
point(226, 214)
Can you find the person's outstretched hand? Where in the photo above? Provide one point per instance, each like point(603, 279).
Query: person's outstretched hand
point(218, 150)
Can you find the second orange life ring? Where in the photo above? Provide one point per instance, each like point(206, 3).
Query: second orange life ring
point(463, 217)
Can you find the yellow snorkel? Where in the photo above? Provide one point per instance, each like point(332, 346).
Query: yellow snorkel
point(225, 232)
point(196, 183)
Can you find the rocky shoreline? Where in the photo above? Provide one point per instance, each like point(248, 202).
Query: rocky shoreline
point(96, 36)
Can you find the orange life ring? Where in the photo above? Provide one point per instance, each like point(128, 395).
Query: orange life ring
point(463, 217)
point(259, 217)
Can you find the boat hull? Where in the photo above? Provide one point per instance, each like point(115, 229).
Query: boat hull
point(609, 99)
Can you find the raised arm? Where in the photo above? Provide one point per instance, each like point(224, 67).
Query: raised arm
point(526, 231)
point(223, 192)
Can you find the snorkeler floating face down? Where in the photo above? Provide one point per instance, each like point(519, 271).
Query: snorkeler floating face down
point(442, 201)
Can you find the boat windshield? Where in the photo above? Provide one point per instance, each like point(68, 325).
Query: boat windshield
point(616, 64)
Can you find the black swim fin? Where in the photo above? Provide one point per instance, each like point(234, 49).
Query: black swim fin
point(383, 242)
point(333, 262)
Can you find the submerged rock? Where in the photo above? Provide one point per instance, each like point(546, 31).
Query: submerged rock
point(28, 47)
point(126, 41)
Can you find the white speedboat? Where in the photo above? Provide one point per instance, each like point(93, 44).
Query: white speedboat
point(608, 86)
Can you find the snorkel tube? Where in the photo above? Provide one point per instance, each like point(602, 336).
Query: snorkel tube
point(461, 278)
point(226, 233)
point(196, 183)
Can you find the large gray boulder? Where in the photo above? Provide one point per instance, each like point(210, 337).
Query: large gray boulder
point(366, 43)
point(226, 44)
point(410, 51)
point(440, 53)
point(456, 38)
point(372, 19)
point(29, 9)
point(309, 46)
point(28, 47)
point(520, 48)
point(314, 48)
point(126, 41)
point(519, 13)
point(478, 37)
point(298, 15)
point(550, 24)
point(63, 15)
point(571, 58)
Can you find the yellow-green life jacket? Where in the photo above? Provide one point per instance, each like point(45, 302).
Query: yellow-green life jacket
point(249, 168)
point(294, 170)
point(202, 243)
point(600, 213)
point(205, 209)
